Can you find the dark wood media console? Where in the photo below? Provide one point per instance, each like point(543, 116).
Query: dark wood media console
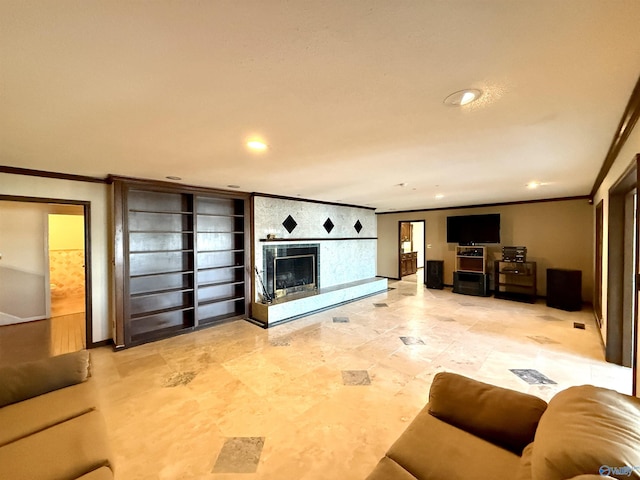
point(470, 277)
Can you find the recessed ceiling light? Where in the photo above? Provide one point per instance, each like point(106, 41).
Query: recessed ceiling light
point(439, 196)
point(171, 177)
point(535, 184)
point(257, 145)
point(463, 97)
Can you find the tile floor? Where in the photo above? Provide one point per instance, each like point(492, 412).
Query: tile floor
point(320, 398)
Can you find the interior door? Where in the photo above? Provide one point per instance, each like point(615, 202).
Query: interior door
point(597, 296)
point(629, 294)
point(634, 332)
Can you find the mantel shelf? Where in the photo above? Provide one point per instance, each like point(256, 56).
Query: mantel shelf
point(318, 239)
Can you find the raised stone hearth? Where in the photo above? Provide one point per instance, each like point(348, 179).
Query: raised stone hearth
point(293, 306)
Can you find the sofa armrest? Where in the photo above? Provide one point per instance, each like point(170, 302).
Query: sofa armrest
point(504, 417)
point(30, 379)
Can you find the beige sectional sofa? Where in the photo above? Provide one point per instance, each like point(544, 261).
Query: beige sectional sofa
point(472, 430)
point(50, 427)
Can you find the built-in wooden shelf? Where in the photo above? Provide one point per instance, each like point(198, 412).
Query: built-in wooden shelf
point(193, 271)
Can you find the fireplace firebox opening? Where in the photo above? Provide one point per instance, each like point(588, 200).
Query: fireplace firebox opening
point(290, 269)
point(294, 274)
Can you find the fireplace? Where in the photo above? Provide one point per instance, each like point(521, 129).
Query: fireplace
point(290, 269)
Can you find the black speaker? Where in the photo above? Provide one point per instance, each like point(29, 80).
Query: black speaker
point(434, 274)
point(564, 289)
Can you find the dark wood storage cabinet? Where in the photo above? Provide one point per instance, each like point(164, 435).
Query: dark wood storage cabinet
point(408, 263)
point(180, 258)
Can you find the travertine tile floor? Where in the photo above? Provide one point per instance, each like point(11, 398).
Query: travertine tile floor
point(323, 397)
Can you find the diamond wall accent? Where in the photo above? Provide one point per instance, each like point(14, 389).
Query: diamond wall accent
point(358, 226)
point(328, 225)
point(290, 224)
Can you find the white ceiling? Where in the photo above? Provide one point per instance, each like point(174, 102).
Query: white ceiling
point(347, 93)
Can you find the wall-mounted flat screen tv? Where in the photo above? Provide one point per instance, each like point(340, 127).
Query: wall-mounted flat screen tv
point(474, 229)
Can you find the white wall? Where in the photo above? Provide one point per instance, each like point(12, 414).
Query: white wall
point(22, 236)
point(418, 242)
point(23, 267)
point(557, 234)
point(349, 257)
point(98, 195)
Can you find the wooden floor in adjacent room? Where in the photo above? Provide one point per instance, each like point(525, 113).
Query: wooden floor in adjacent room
point(53, 336)
point(67, 333)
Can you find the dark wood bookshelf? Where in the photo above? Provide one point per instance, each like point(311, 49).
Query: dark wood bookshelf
point(180, 258)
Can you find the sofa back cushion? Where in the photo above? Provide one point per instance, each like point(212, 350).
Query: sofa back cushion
point(504, 417)
point(27, 380)
point(588, 430)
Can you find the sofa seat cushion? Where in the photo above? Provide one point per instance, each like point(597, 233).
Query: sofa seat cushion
point(504, 417)
point(67, 450)
point(387, 469)
point(524, 469)
point(585, 429)
point(430, 449)
point(38, 413)
point(27, 380)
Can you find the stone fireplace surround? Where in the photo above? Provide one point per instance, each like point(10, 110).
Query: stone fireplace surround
point(346, 237)
point(301, 303)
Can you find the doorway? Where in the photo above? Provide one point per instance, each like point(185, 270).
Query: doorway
point(622, 295)
point(597, 297)
point(66, 256)
point(44, 264)
point(411, 246)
